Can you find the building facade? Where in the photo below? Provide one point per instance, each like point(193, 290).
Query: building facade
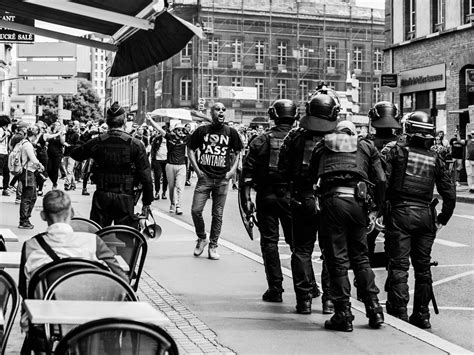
point(256, 52)
point(430, 45)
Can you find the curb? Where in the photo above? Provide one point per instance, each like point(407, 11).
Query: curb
point(463, 199)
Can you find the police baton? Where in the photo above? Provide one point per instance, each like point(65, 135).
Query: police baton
point(433, 299)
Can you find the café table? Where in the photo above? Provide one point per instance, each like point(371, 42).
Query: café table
point(79, 312)
point(10, 259)
point(8, 235)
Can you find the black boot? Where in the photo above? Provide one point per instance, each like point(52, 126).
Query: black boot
point(303, 306)
point(272, 295)
point(328, 307)
point(421, 318)
point(315, 292)
point(374, 311)
point(341, 320)
point(397, 311)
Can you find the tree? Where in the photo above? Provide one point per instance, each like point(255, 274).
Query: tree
point(84, 105)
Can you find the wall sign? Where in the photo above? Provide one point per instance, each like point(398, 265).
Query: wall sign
point(422, 79)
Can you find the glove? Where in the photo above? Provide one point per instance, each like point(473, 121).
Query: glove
point(146, 211)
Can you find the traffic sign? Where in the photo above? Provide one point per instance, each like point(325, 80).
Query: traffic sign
point(47, 50)
point(47, 87)
point(45, 68)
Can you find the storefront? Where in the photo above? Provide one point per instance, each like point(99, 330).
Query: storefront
point(424, 89)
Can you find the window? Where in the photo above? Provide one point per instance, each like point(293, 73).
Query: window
point(281, 85)
point(212, 86)
point(260, 89)
point(304, 54)
point(236, 50)
point(259, 52)
point(236, 81)
point(378, 59)
point(357, 62)
point(331, 56)
point(438, 12)
point(213, 49)
point(376, 92)
point(304, 90)
point(410, 19)
point(282, 52)
point(468, 11)
point(186, 53)
point(186, 86)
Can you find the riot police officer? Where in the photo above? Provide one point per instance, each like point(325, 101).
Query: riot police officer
point(344, 166)
point(410, 221)
point(120, 164)
point(295, 154)
point(384, 117)
point(260, 170)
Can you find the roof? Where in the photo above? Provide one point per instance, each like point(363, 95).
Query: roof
point(142, 32)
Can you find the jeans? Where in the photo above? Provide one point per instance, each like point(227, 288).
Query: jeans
point(159, 171)
point(4, 170)
point(176, 175)
point(206, 188)
point(54, 162)
point(28, 195)
point(69, 164)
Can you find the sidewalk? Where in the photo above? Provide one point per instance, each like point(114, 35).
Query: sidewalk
point(216, 306)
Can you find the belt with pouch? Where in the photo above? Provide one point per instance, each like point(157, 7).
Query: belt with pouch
point(349, 191)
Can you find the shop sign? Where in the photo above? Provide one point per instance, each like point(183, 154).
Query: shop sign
point(422, 79)
point(8, 35)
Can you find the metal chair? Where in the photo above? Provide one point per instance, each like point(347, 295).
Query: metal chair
point(117, 336)
point(47, 274)
point(10, 301)
point(80, 224)
point(3, 244)
point(131, 245)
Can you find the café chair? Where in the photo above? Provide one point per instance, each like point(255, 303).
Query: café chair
point(131, 245)
point(86, 285)
point(3, 244)
point(10, 301)
point(47, 274)
point(80, 224)
point(117, 336)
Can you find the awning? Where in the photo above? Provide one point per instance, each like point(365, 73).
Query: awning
point(143, 32)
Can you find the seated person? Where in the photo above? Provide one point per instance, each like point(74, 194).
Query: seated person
point(64, 242)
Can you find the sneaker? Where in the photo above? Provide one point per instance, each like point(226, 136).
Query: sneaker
point(157, 196)
point(272, 295)
point(85, 192)
point(5, 193)
point(179, 211)
point(200, 245)
point(26, 225)
point(67, 187)
point(172, 208)
point(40, 193)
point(163, 197)
point(213, 255)
point(187, 183)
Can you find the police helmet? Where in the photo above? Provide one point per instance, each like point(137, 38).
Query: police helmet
point(283, 108)
point(321, 111)
point(384, 114)
point(419, 123)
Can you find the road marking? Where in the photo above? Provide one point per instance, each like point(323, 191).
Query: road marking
point(464, 216)
point(396, 323)
point(445, 242)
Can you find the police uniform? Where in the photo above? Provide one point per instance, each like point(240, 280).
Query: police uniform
point(295, 156)
point(120, 163)
point(260, 170)
point(412, 172)
point(343, 165)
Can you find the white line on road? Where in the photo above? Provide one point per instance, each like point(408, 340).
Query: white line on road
point(437, 241)
point(405, 327)
point(464, 216)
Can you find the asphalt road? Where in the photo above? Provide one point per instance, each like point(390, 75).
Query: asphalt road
point(453, 278)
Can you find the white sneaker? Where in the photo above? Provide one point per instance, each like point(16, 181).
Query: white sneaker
point(172, 208)
point(200, 245)
point(213, 255)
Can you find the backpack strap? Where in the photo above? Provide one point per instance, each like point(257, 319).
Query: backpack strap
point(46, 247)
